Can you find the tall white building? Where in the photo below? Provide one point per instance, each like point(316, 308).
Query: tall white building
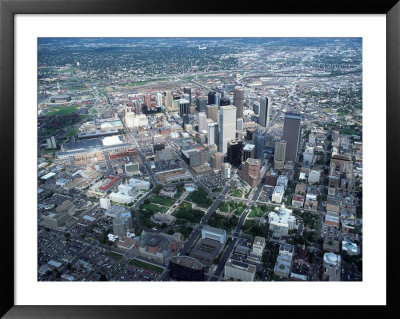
point(159, 99)
point(212, 133)
point(168, 99)
point(226, 170)
point(202, 122)
point(265, 110)
point(227, 127)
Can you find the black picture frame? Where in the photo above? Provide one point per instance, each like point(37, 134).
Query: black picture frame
point(8, 8)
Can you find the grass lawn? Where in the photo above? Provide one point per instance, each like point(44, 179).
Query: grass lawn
point(162, 200)
point(236, 193)
point(256, 212)
point(145, 265)
point(115, 255)
point(61, 110)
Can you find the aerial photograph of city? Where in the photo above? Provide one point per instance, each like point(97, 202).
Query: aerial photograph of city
point(199, 159)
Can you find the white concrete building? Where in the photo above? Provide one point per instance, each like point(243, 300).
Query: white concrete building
point(308, 155)
point(105, 203)
point(226, 170)
point(314, 176)
point(227, 126)
point(212, 133)
point(281, 221)
point(138, 184)
point(258, 246)
point(282, 180)
point(202, 122)
point(277, 195)
point(332, 265)
point(125, 194)
point(214, 234)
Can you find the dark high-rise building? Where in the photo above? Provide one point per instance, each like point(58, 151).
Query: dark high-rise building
point(225, 101)
point(211, 98)
point(264, 114)
point(158, 147)
point(256, 108)
point(259, 142)
point(234, 155)
point(186, 268)
point(238, 99)
point(291, 134)
point(184, 107)
point(201, 103)
point(249, 133)
point(189, 92)
point(185, 119)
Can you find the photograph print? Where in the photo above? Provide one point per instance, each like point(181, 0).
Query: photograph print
point(199, 159)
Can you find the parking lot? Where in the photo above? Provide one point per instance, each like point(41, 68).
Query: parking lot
point(266, 194)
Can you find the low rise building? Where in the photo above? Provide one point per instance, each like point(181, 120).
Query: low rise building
point(332, 266)
point(214, 234)
point(281, 221)
point(277, 195)
point(298, 201)
point(238, 270)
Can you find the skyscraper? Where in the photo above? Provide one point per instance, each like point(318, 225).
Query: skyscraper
point(159, 99)
point(137, 105)
point(184, 108)
point(202, 122)
point(216, 160)
point(211, 97)
point(249, 151)
point(201, 103)
point(259, 142)
point(234, 155)
point(188, 91)
point(280, 151)
point(251, 171)
point(212, 133)
point(264, 115)
point(224, 101)
point(227, 126)
point(291, 134)
point(147, 100)
point(239, 124)
point(217, 98)
point(212, 112)
point(168, 99)
point(238, 99)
